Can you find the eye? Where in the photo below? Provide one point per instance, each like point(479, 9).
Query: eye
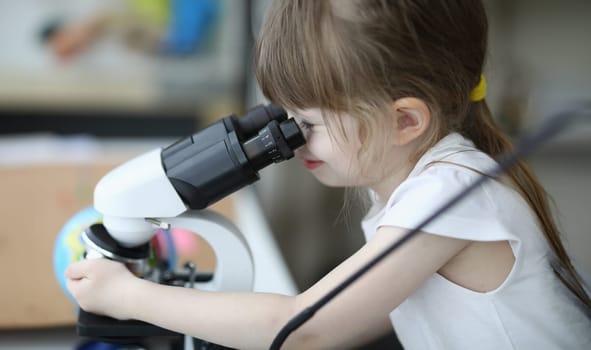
point(304, 125)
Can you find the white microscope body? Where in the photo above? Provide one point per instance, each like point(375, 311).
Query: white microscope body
point(137, 199)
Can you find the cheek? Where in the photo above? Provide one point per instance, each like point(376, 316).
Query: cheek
point(318, 145)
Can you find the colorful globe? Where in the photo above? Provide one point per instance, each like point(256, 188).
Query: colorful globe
point(68, 246)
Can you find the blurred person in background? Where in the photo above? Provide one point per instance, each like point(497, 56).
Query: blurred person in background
point(176, 27)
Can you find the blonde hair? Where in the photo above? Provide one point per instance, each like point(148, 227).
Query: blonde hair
point(359, 56)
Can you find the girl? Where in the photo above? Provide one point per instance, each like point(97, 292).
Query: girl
point(391, 98)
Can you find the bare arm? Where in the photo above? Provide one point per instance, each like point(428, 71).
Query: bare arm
point(251, 320)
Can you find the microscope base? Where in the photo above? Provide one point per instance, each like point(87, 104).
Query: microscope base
point(112, 330)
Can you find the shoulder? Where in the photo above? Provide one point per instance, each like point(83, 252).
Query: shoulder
point(480, 215)
point(441, 179)
point(453, 161)
point(491, 211)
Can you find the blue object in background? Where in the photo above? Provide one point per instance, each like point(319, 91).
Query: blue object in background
point(68, 246)
point(189, 25)
point(97, 345)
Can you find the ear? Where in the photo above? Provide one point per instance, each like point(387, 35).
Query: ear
point(411, 118)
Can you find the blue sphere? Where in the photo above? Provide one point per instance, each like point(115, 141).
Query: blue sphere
point(69, 247)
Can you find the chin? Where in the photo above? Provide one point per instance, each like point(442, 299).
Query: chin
point(333, 181)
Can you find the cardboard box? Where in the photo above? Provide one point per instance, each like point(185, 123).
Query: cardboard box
point(37, 199)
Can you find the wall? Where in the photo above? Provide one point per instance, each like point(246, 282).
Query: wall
point(538, 65)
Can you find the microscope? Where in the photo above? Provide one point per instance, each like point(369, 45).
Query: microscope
point(171, 187)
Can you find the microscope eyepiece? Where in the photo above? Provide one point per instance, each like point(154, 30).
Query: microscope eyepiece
point(227, 155)
point(292, 133)
point(274, 143)
point(259, 116)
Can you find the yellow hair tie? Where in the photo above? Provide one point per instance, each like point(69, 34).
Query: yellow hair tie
point(479, 92)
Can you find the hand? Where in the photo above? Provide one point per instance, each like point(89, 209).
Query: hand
point(74, 38)
point(102, 286)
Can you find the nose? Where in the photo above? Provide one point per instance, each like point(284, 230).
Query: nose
point(306, 134)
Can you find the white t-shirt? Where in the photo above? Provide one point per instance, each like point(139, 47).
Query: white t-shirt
point(532, 309)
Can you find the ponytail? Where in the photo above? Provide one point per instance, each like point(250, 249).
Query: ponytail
point(480, 127)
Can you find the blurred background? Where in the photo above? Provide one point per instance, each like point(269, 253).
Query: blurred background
point(77, 74)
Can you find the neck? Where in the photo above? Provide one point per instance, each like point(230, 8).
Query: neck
point(384, 188)
point(402, 160)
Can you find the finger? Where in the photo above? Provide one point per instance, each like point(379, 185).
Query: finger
point(72, 286)
point(78, 270)
point(75, 287)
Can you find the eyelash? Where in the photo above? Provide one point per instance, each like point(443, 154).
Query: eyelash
point(304, 125)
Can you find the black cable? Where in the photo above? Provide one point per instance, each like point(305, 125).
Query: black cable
point(525, 146)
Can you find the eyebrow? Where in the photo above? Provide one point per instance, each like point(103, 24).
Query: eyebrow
point(296, 115)
point(302, 116)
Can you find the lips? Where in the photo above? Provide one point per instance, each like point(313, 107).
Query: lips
point(312, 164)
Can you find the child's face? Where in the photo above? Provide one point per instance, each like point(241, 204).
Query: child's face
point(330, 157)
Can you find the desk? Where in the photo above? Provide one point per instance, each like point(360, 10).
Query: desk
point(43, 187)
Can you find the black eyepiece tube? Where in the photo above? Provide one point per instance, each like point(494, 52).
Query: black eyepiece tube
point(274, 143)
point(227, 155)
point(258, 117)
